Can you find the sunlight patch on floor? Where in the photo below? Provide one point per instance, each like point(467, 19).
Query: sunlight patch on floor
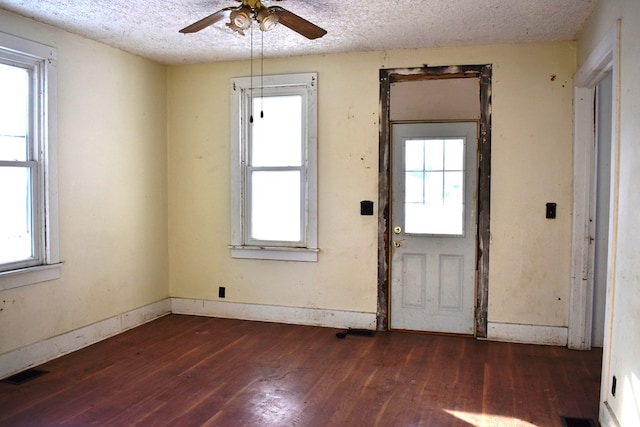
point(489, 420)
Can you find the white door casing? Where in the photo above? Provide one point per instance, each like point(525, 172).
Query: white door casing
point(602, 60)
point(601, 201)
point(433, 243)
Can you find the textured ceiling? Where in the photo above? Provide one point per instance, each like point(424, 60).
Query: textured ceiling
point(149, 28)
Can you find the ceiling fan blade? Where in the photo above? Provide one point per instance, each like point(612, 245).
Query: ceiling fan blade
point(297, 23)
point(209, 20)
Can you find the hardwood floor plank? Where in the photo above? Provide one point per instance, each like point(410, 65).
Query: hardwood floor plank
point(188, 370)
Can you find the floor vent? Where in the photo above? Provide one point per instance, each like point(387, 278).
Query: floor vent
point(578, 422)
point(24, 376)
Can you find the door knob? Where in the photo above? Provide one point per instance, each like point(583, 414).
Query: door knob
point(397, 243)
point(397, 229)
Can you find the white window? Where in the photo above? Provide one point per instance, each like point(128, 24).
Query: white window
point(273, 172)
point(28, 173)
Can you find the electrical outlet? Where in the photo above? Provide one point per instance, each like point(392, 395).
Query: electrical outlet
point(221, 291)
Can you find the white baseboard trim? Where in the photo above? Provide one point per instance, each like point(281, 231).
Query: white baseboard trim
point(607, 417)
point(43, 351)
point(273, 313)
point(527, 334)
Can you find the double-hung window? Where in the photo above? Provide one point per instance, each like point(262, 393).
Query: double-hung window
point(273, 173)
point(28, 189)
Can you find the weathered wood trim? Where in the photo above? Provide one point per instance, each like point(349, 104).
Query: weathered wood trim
point(387, 77)
point(384, 188)
point(426, 72)
point(484, 201)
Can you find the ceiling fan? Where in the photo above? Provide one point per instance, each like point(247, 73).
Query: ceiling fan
point(240, 19)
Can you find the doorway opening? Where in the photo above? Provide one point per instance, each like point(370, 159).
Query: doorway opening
point(594, 196)
point(601, 204)
point(479, 206)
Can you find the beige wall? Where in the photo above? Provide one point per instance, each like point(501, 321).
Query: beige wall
point(112, 190)
point(435, 99)
point(532, 165)
point(622, 340)
point(117, 235)
point(114, 171)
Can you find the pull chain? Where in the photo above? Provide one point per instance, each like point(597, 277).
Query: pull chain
point(251, 78)
point(262, 75)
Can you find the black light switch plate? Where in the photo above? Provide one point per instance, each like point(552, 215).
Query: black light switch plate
point(366, 207)
point(551, 210)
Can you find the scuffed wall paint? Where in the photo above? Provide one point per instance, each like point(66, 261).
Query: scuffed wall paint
point(622, 342)
point(112, 190)
point(532, 139)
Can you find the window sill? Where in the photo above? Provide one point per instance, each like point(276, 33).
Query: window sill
point(275, 253)
point(29, 276)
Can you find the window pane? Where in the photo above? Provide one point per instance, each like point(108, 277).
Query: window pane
point(453, 186)
point(454, 154)
point(433, 183)
point(414, 187)
point(434, 198)
point(433, 154)
point(414, 155)
point(14, 112)
point(16, 222)
point(429, 219)
point(275, 203)
point(277, 137)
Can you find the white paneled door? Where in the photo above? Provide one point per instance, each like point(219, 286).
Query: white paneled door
point(433, 219)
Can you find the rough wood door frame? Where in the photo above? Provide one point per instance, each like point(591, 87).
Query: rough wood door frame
point(387, 77)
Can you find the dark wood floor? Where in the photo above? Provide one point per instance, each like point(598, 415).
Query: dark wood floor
point(192, 371)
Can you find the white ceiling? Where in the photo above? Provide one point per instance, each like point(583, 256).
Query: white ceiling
point(149, 28)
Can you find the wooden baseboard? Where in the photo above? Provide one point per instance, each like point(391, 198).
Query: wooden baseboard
point(273, 313)
point(42, 351)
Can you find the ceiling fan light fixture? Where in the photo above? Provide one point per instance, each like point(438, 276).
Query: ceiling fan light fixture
point(231, 26)
point(241, 18)
point(268, 20)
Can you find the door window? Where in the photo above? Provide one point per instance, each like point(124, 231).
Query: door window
point(434, 186)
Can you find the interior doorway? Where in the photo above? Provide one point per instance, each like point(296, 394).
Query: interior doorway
point(471, 86)
point(600, 204)
point(595, 184)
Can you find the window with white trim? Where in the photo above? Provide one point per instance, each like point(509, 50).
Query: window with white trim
point(273, 171)
point(28, 173)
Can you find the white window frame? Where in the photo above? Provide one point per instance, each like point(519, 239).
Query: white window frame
point(242, 246)
point(42, 61)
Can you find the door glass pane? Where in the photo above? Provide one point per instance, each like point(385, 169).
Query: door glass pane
point(414, 187)
point(277, 137)
point(434, 196)
point(454, 154)
point(453, 185)
point(414, 155)
point(433, 188)
point(275, 206)
point(16, 222)
point(14, 112)
point(433, 154)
